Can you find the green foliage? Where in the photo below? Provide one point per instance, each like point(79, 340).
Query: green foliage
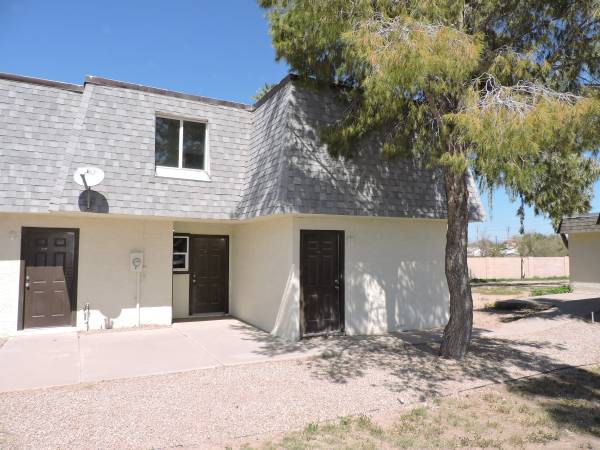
point(545, 156)
point(539, 291)
point(537, 244)
point(461, 84)
point(262, 91)
point(404, 52)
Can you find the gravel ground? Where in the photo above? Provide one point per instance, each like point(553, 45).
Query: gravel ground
point(233, 405)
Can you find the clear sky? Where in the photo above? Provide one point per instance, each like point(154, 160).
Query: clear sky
point(215, 48)
point(502, 217)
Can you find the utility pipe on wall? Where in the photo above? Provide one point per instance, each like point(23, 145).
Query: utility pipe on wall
point(136, 264)
point(86, 316)
point(137, 297)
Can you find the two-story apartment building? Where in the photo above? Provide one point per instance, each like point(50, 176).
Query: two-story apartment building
point(208, 207)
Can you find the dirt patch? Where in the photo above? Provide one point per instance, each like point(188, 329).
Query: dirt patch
point(558, 410)
point(2, 341)
point(487, 298)
point(516, 309)
point(484, 316)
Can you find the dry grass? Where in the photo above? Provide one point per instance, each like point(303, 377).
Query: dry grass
point(517, 291)
point(559, 410)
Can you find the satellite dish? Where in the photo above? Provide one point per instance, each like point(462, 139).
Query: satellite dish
point(88, 176)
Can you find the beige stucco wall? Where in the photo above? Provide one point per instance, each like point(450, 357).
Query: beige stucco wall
point(265, 289)
point(394, 273)
point(181, 286)
point(394, 277)
point(104, 278)
point(584, 253)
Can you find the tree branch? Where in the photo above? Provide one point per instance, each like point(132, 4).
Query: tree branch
point(520, 98)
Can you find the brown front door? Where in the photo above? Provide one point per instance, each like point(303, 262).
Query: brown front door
point(50, 256)
point(209, 274)
point(322, 280)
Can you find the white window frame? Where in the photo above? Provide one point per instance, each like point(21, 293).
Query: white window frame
point(180, 171)
point(186, 253)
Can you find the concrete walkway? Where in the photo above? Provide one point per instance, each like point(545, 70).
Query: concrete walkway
point(44, 360)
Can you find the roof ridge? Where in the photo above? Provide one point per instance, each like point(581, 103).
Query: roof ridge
point(91, 79)
point(271, 92)
point(101, 81)
point(580, 216)
point(42, 82)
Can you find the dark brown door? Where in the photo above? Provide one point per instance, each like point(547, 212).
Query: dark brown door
point(50, 257)
point(209, 274)
point(322, 280)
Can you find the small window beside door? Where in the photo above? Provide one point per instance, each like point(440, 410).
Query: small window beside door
point(181, 251)
point(180, 149)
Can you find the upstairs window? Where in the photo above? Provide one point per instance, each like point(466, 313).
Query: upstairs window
point(179, 144)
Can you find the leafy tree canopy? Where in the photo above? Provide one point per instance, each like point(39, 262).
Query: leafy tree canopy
point(501, 87)
point(537, 244)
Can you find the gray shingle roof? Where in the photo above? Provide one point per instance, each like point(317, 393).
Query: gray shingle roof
point(580, 224)
point(265, 159)
point(36, 122)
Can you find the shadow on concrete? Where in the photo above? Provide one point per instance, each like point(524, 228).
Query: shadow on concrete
point(409, 360)
point(409, 365)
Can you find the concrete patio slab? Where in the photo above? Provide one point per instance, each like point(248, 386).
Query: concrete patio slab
point(33, 361)
point(233, 342)
point(125, 354)
point(44, 360)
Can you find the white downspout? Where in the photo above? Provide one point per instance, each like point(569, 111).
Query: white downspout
point(136, 264)
point(137, 297)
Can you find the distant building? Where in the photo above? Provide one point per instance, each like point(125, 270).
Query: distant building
point(581, 234)
point(473, 250)
point(510, 247)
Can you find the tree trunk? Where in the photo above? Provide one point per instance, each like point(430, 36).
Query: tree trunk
point(457, 334)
